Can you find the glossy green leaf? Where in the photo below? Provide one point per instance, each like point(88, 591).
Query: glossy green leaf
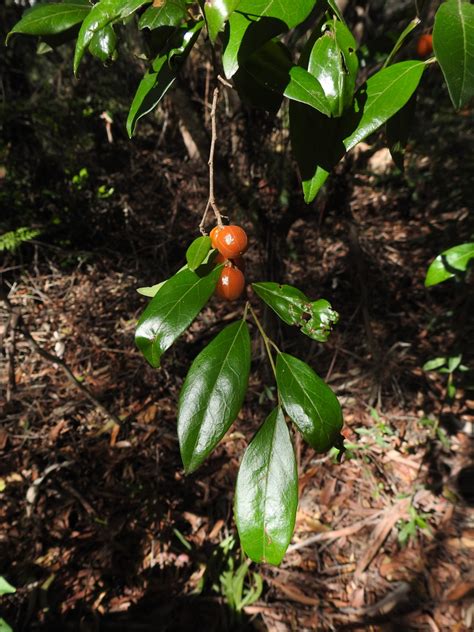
point(158, 80)
point(449, 263)
point(271, 66)
point(315, 319)
point(316, 145)
point(213, 393)
point(246, 35)
point(309, 403)
point(153, 290)
point(170, 13)
point(217, 13)
point(333, 61)
point(382, 96)
point(253, 93)
point(102, 13)
point(312, 186)
point(50, 19)
point(266, 496)
point(453, 43)
point(198, 251)
point(103, 43)
point(172, 310)
point(5, 587)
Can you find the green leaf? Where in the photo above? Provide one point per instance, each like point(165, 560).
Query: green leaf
point(382, 96)
point(4, 627)
point(103, 43)
point(153, 290)
point(271, 66)
point(312, 186)
point(217, 13)
point(253, 93)
point(50, 19)
point(170, 13)
point(309, 403)
point(172, 310)
point(213, 393)
point(5, 587)
point(435, 363)
point(449, 264)
point(315, 319)
point(158, 80)
point(453, 43)
point(316, 144)
point(266, 496)
point(333, 62)
point(102, 13)
point(198, 251)
point(246, 35)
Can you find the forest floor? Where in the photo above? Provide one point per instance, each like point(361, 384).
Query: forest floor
point(99, 527)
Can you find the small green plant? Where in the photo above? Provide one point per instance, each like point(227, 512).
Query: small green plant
point(408, 529)
point(438, 432)
point(14, 238)
point(79, 180)
point(236, 583)
point(5, 589)
point(449, 366)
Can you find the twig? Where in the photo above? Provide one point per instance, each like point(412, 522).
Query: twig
point(333, 535)
point(211, 202)
point(54, 359)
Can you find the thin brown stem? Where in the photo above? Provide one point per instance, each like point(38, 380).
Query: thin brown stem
point(211, 203)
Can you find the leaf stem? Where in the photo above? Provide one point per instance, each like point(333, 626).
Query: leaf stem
point(266, 340)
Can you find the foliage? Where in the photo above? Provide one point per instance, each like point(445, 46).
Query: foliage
point(333, 106)
point(14, 238)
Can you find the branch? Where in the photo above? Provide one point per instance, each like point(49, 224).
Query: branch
point(53, 359)
point(211, 203)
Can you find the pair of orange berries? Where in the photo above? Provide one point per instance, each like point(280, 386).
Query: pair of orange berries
point(231, 242)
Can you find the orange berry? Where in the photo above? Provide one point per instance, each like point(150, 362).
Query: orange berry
point(425, 45)
point(213, 235)
point(231, 241)
point(231, 284)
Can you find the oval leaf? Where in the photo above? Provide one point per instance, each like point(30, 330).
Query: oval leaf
point(257, 21)
point(50, 19)
point(272, 67)
point(102, 13)
point(266, 496)
point(334, 63)
point(170, 13)
point(103, 43)
point(217, 13)
point(315, 319)
point(172, 310)
point(453, 43)
point(382, 96)
point(198, 251)
point(309, 403)
point(449, 264)
point(213, 393)
point(158, 80)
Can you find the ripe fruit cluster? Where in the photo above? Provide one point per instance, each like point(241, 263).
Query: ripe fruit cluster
point(231, 242)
